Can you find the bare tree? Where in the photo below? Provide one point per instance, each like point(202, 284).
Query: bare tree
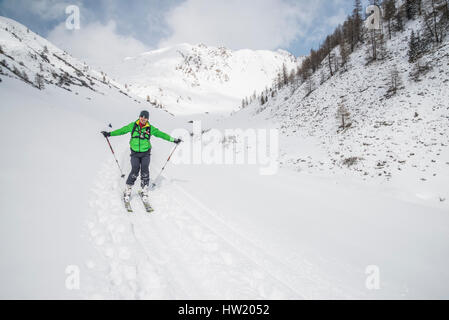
point(357, 21)
point(348, 32)
point(389, 9)
point(446, 9)
point(343, 116)
point(344, 54)
point(421, 67)
point(376, 49)
point(395, 82)
point(328, 52)
point(310, 84)
point(399, 23)
point(436, 24)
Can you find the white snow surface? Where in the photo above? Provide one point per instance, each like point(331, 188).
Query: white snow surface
point(219, 231)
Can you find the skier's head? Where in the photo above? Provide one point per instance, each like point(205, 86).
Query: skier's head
point(144, 116)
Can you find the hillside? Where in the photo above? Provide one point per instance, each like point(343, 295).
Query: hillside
point(52, 150)
point(26, 56)
point(188, 79)
point(341, 204)
point(397, 139)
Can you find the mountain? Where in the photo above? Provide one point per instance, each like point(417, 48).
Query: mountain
point(52, 151)
point(27, 56)
point(396, 130)
point(186, 79)
point(315, 227)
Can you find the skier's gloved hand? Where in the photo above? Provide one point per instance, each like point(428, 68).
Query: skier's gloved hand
point(106, 134)
point(177, 141)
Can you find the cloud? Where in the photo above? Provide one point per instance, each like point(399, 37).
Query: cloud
point(254, 24)
point(46, 10)
point(97, 44)
point(337, 19)
point(114, 29)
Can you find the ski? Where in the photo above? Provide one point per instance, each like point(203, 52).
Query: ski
point(127, 203)
point(146, 204)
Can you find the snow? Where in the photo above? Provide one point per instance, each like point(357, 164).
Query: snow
point(189, 79)
point(310, 231)
point(226, 232)
point(401, 142)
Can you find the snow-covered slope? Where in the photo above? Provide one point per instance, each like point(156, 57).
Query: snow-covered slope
point(219, 231)
point(187, 79)
point(399, 140)
point(26, 56)
point(223, 231)
point(51, 149)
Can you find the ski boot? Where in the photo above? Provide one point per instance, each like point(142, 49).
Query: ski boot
point(145, 199)
point(145, 194)
point(127, 193)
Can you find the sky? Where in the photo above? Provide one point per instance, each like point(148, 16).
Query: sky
point(111, 30)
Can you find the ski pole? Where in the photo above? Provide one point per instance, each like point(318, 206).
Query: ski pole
point(113, 153)
point(169, 157)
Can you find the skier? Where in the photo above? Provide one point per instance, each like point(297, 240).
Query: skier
point(141, 132)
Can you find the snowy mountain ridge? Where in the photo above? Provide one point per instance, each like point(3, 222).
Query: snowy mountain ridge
point(199, 79)
point(181, 79)
point(27, 56)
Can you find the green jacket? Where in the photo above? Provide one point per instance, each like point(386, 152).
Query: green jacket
point(140, 140)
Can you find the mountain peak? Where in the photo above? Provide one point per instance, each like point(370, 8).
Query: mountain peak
point(188, 78)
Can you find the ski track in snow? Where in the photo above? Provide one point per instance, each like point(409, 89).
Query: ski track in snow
point(182, 251)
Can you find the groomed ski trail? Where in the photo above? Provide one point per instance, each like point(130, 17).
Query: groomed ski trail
point(183, 250)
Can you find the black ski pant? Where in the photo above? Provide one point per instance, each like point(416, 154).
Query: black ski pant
point(140, 161)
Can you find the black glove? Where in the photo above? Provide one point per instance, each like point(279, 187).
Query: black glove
point(106, 134)
point(177, 141)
